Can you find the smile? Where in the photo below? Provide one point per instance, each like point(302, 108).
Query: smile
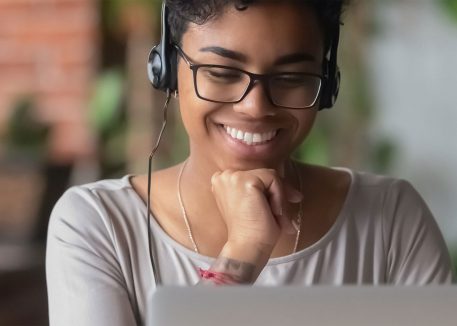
point(250, 138)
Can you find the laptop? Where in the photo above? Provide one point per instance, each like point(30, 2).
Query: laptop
point(318, 305)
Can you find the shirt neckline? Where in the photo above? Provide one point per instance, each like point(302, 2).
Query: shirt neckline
point(344, 211)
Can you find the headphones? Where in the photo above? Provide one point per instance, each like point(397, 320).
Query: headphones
point(162, 64)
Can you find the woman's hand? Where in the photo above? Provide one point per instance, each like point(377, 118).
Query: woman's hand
point(253, 205)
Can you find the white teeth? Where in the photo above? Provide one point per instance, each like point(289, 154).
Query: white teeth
point(250, 138)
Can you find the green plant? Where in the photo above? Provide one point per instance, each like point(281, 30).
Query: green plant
point(107, 119)
point(105, 103)
point(451, 7)
point(25, 133)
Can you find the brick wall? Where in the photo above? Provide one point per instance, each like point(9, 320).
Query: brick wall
point(48, 49)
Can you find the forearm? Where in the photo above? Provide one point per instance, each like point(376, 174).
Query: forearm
point(241, 264)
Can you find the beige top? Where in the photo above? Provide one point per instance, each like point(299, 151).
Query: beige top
point(98, 269)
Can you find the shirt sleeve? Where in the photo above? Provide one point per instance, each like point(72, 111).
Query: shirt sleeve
point(416, 251)
point(84, 279)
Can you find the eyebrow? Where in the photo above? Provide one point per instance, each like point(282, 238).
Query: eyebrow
point(238, 56)
point(234, 55)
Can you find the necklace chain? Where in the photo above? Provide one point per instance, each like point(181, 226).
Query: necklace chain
point(296, 224)
point(183, 210)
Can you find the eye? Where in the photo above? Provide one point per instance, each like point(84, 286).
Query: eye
point(294, 80)
point(221, 75)
point(289, 80)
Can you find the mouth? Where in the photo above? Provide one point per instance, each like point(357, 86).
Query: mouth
point(250, 138)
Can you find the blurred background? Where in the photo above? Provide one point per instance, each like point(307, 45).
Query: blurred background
point(76, 106)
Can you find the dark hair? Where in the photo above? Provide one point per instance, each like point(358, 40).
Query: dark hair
point(182, 12)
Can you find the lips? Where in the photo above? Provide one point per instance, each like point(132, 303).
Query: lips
point(248, 137)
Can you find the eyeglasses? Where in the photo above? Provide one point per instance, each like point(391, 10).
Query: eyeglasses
point(223, 84)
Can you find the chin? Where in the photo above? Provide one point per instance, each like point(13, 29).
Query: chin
point(246, 165)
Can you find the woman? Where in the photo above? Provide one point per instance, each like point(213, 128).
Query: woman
point(251, 78)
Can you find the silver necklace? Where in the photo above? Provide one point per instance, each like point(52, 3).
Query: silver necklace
point(296, 223)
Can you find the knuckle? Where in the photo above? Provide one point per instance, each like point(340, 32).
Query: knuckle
point(253, 183)
point(215, 177)
point(250, 184)
point(226, 174)
point(236, 177)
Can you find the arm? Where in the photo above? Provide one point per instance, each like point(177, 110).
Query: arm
point(242, 265)
point(84, 280)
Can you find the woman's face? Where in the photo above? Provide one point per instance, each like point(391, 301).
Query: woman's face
point(265, 38)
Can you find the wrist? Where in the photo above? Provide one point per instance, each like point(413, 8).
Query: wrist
point(255, 254)
point(238, 263)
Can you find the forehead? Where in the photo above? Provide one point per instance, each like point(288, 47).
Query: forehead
point(262, 29)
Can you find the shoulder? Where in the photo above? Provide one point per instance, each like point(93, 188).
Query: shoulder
point(381, 191)
point(93, 196)
point(91, 210)
point(360, 188)
point(395, 201)
point(415, 249)
point(88, 266)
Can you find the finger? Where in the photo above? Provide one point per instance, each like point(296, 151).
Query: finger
point(214, 179)
point(292, 195)
point(273, 188)
point(286, 224)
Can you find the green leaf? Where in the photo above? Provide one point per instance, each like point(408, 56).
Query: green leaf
point(315, 149)
point(451, 8)
point(105, 104)
point(25, 131)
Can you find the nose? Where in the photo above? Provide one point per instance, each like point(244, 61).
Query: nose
point(256, 103)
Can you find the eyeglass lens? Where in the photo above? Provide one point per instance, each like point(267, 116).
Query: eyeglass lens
point(224, 84)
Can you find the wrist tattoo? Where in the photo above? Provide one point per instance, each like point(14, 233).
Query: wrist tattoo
point(237, 271)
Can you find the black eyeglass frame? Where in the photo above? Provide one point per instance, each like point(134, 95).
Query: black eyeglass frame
point(262, 78)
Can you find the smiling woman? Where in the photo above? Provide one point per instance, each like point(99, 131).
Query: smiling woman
point(250, 78)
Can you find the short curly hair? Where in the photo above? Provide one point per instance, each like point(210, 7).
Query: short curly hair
point(182, 12)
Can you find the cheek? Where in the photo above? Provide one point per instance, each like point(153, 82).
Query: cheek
point(195, 112)
point(304, 123)
point(185, 82)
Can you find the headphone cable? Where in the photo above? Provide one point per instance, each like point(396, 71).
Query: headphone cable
point(148, 212)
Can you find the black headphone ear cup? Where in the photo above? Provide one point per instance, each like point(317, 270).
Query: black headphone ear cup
point(173, 62)
point(155, 66)
point(326, 81)
point(336, 86)
point(159, 67)
point(330, 86)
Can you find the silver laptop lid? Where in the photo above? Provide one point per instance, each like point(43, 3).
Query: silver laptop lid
point(287, 306)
